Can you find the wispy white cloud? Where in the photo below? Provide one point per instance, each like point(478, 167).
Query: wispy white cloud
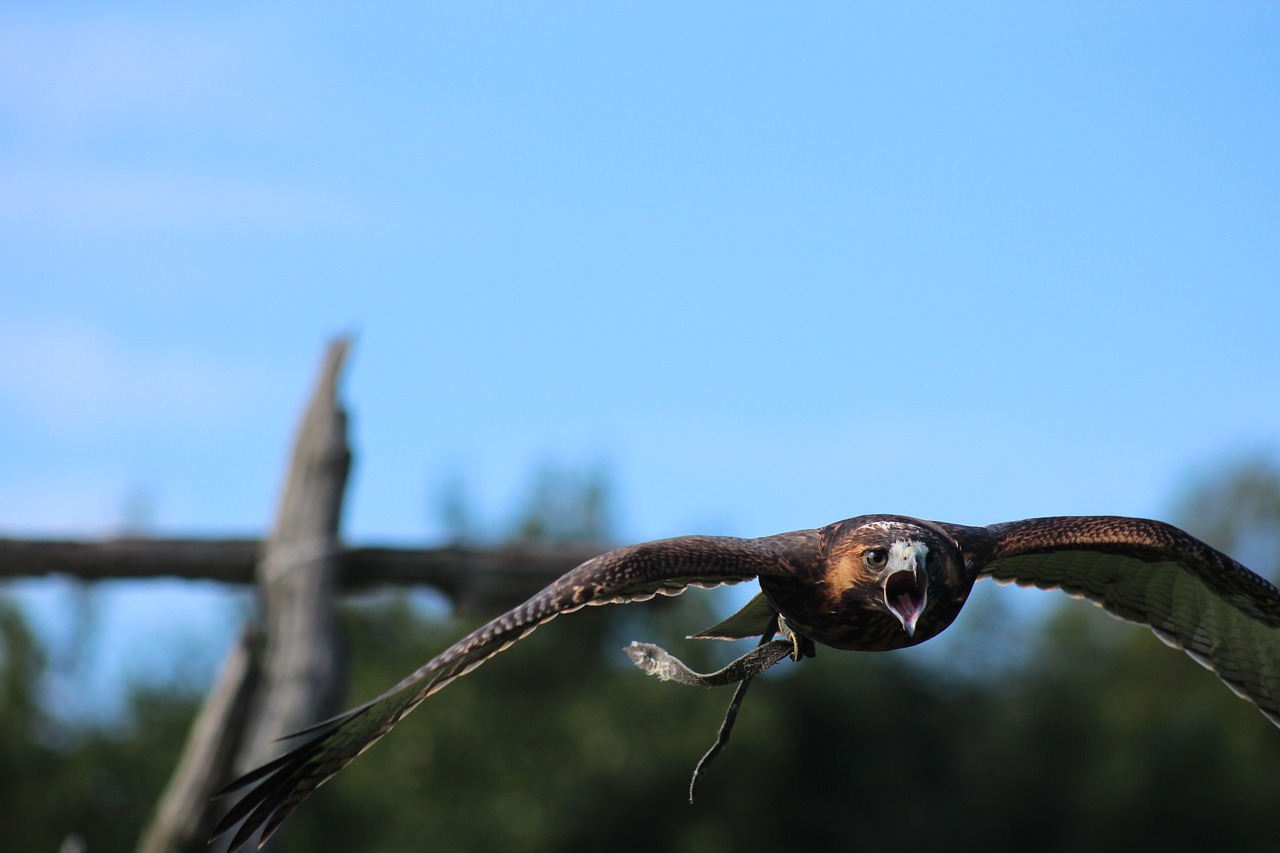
point(108, 121)
point(63, 75)
point(100, 196)
point(68, 375)
point(62, 503)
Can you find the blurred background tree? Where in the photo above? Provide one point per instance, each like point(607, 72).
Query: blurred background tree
point(1065, 731)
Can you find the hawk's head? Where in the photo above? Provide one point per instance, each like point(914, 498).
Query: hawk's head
point(886, 582)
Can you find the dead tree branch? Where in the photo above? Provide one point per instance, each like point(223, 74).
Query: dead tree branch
point(474, 579)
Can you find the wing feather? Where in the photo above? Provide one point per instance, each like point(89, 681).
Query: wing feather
point(1192, 596)
point(752, 620)
point(630, 574)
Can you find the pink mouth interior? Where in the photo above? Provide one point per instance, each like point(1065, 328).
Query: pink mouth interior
point(904, 594)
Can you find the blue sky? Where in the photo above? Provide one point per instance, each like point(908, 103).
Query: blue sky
point(768, 265)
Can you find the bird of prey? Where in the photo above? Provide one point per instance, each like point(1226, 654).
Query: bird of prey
point(871, 583)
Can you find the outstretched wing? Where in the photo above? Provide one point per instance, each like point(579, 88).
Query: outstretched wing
point(633, 573)
point(1192, 596)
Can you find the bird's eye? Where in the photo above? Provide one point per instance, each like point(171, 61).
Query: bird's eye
point(931, 558)
point(876, 558)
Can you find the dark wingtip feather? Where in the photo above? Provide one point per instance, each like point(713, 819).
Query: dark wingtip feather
point(277, 780)
point(265, 770)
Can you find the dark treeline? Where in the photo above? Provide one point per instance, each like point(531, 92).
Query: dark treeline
point(1072, 732)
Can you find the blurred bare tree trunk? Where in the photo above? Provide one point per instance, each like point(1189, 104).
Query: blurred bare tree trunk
point(297, 577)
point(284, 675)
point(185, 816)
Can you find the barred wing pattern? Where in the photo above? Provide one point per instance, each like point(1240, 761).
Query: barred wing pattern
point(1192, 596)
point(633, 573)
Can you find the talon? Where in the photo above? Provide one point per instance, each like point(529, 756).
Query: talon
point(801, 646)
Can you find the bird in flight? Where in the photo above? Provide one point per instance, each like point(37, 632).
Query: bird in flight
point(871, 583)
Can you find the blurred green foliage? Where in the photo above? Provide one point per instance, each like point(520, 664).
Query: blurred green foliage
point(59, 779)
point(1084, 733)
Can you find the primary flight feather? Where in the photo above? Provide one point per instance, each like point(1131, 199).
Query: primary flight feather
point(872, 583)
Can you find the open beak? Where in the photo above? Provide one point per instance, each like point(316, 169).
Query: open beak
point(906, 586)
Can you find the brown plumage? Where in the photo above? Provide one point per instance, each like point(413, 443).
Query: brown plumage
point(871, 583)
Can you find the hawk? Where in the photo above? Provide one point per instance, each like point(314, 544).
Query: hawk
point(871, 583)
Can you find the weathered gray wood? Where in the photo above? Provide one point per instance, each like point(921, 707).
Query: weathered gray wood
point(475, 579)
point(226, 560)
point(183, 818)
point(297, 577)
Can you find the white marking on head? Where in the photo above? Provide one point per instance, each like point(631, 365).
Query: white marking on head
point(882, 525)
point(904, 553)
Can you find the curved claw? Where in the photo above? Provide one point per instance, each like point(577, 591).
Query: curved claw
point(801, 646)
